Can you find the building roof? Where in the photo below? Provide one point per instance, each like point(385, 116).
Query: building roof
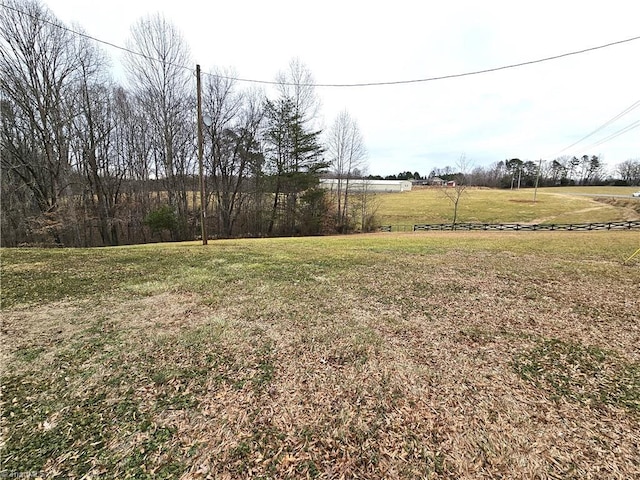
point(365, 181)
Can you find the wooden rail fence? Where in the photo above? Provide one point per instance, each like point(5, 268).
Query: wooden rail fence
point(634, 224)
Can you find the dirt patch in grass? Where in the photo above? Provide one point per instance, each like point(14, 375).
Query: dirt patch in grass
point(472, 356)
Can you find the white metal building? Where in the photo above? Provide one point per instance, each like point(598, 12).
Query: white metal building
point(374, 186)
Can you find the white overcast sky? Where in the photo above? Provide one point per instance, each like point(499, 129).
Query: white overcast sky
point(530, 112)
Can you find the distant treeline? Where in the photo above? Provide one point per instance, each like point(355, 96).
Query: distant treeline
point(566, 170)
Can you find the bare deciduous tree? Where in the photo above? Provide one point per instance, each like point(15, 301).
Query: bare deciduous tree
point(297, 84)
point(164, 89)
point(37, 63)
point(347, 155)
point(234, 148)
point(629, 171)
point(93, 141)
point(364, 203)
point(454, 193)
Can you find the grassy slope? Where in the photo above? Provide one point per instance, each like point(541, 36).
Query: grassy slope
point(553, 205)
point(449, 355)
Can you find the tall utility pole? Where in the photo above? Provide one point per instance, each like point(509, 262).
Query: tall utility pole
point(535, 191)
point(519, 175)
point(203, 213)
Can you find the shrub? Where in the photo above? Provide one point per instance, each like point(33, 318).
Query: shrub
point(164, 218)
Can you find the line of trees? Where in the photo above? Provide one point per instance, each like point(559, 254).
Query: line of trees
point(566, 170)
point(87, 161)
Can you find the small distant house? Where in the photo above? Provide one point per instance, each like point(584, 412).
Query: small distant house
point(436, 181)
point(451, 183)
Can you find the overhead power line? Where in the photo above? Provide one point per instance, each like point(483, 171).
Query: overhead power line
point(630, 108)
point(95, 39)
point(615, 134)
point(445, 77)
point(611, 136)
point(348, 85)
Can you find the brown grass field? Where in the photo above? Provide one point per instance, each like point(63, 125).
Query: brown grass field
point(552, 205)
point(439, 355)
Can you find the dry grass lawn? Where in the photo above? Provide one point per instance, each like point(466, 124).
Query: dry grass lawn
point(553, 205)
point(440, 355)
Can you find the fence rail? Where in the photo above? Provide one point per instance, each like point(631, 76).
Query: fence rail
point(513, 226)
